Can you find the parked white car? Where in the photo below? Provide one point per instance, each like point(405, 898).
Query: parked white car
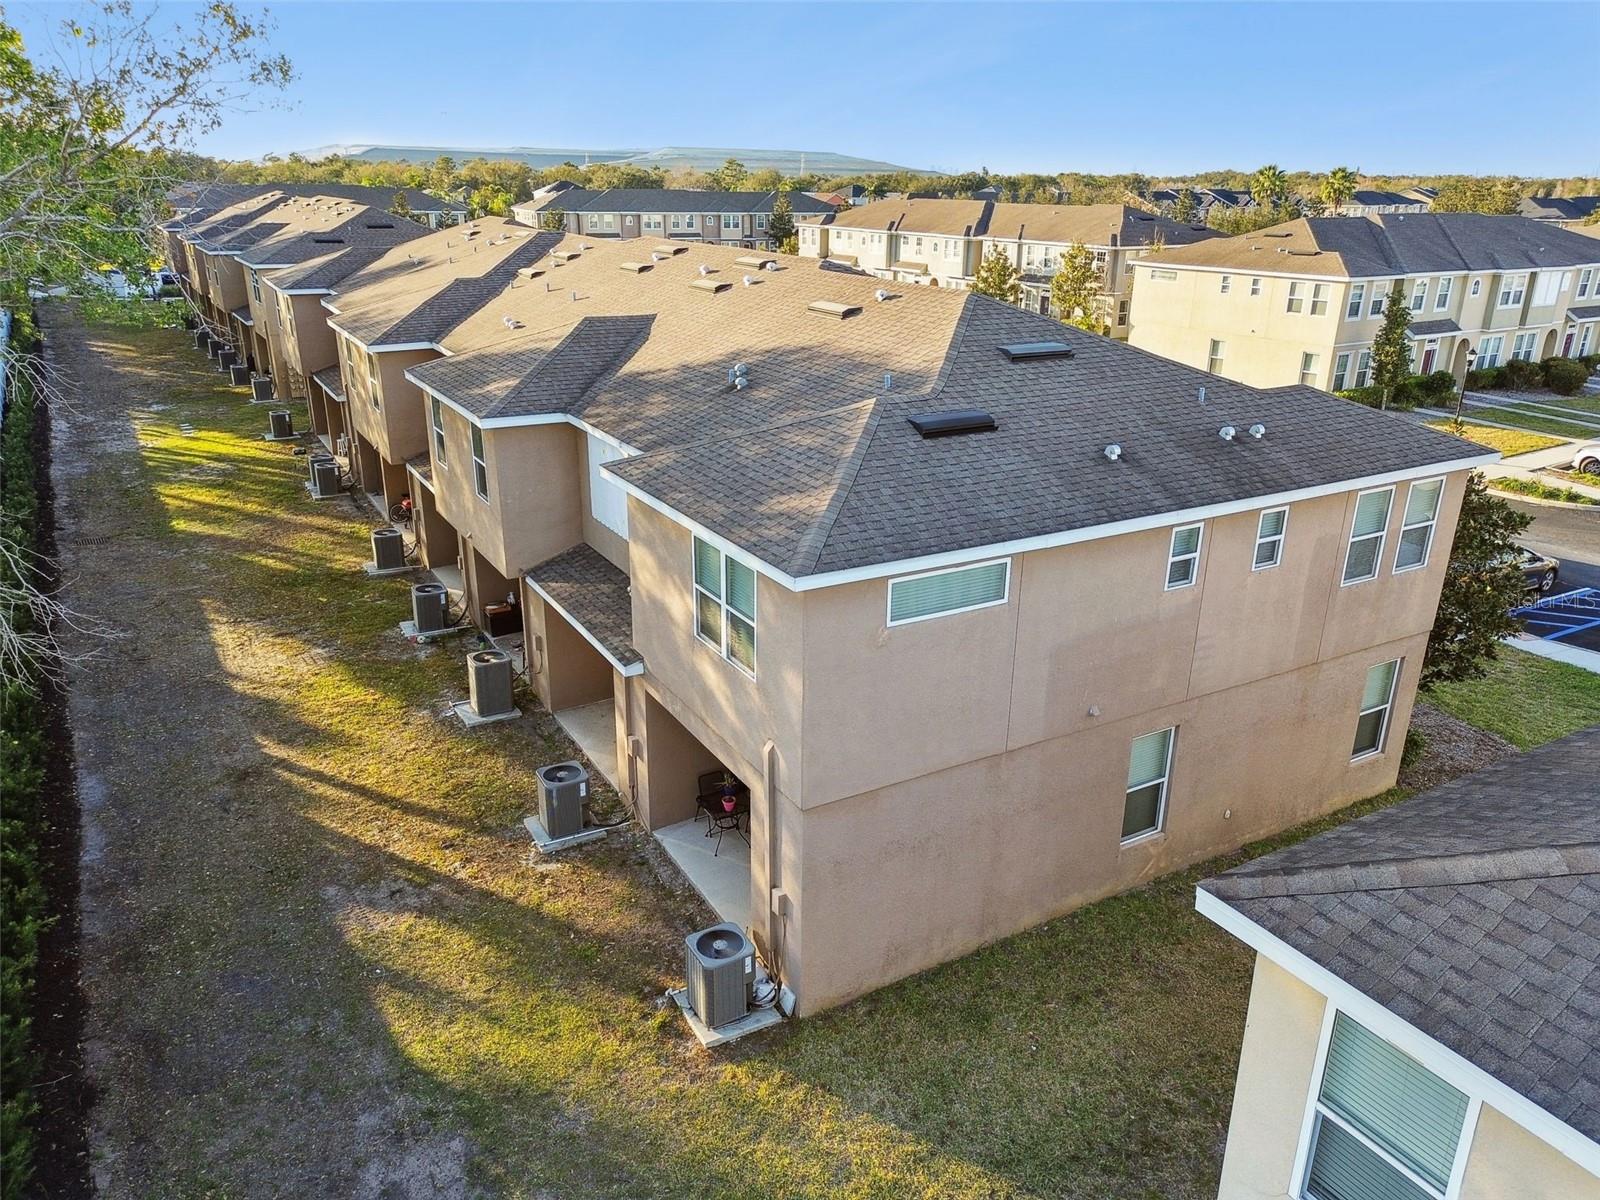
point(1587, 459)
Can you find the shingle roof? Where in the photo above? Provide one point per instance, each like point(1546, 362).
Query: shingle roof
point(1584, 312)
point(1471, 911)
point(1374, 198)
point(330, 381)
point(1559, 208)
point(276, 228)
point(1392, 244)
point(795, 469)
point(595, 594)
point(202, 195)
point(1432, 328)
point(666, 200)
point(1090, 224)
point(322, 273)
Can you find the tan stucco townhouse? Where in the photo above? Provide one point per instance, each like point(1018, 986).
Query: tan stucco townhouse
point(1424, 1021)
point(991, 618)
point(1302, 302)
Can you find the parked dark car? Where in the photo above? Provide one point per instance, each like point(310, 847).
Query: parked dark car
point(1539, 571)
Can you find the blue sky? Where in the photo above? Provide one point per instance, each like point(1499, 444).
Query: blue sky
point(1097, 87)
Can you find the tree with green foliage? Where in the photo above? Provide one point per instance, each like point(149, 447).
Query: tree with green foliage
point(998, 277)
point(780, 225)
point(1337, 187)
point(1497, 197)
point(1187, 207)
point(1269, 187)
point(91, 144)
point(442, 176)
point(1482, 584)
point(401, 206)
point(730, 176)
point(1076, 288)
point(553, 220)
point(1391, 349)
point(489, 201)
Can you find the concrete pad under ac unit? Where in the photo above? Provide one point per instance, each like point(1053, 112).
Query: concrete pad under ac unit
point(756, 1019)
point(550, 845)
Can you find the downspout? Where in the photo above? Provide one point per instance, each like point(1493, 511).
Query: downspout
point(777, 898)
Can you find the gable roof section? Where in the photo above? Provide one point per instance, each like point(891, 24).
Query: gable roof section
point(1391, 244)
point(1471, 912)
point(1559, 208)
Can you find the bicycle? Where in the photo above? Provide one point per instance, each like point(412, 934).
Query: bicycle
point(401, 511)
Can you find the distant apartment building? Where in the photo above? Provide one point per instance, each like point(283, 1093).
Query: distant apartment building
point(721, 218)
point(1300, 303)
point(940, 243)
point(1364, 202)
point(988, 617)
point(190, 199)
point(1564, 212)
point(1205, 199)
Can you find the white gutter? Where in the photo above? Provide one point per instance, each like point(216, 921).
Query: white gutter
point(1435, 1055)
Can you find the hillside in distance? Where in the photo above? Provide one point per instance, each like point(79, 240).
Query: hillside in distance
point(669, 158)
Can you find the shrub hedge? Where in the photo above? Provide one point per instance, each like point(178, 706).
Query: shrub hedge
point(1564, 376)
point(23, 911)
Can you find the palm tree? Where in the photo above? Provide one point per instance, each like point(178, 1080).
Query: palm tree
point(1338, 187)
point(1269, 186)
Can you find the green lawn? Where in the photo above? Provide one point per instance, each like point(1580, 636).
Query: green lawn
point(1507, 441)
point(1526, 699)
point(370, 962)
point(1533, 421)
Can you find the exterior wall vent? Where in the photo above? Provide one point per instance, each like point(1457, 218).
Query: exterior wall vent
point(832, 308)
point(949, 424)
point(712, 286)
point(1027, 351)
point(636, 267)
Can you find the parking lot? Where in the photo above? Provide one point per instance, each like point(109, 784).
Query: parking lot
point(1571, 617)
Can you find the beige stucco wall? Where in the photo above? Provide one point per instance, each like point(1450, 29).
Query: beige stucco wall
point(1276, 1064)
point(1508, 1161)
point(398, 427)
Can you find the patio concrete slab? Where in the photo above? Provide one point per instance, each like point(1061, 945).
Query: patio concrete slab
point(594, 728)
point(721, 876)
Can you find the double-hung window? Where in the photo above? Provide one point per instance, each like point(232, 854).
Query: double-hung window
point(1416, 532)
point(731, 220)
point(1377, 698)
point(1255, 285)
point(438, 430)
point(1269, 538)
point(255, 285)
point(1522, 346)
point(1308, 368)
point(1227, 284)
point(725, 605)
point(1489, 351)
point(940, 593)
point(1384, 1127)
point(480, 465)
point(1512, 289)
point(1358, 297)
point(1419, 295)
point(1297, 299)
point(1214, 356)
point(1183, 558)
point(1441, 299)
point(372, 378)
point(1380, 299)
point(1585, 277)
point(1363, 368)
point(1144, 806)
point(1367, 534)
point(1319, 299)
point(1341, 371)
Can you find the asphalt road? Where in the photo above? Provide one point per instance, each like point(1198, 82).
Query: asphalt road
point(1572, 535)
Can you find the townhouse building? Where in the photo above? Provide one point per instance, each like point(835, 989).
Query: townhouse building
point(1166, 200)
point(195, 199)
point(220, 261)
point(1300, 303)
point(1423, 1014)
point(989, 617)
point(940, 243)
point(1564, 212)
point(1366, 202)
point(722, 218)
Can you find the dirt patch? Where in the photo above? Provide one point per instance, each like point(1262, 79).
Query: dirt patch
point(1451, 748)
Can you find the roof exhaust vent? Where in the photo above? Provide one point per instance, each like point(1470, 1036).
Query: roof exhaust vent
point(1202, 395)
point(1113, 452)
point(510, 322)
point(1258, 431)
point(749, 279)
point(752, 260)
point(573, 296)
point(1028, 351)
point(1226, 433)
point(740, 383)
point(656, 256)
point(737, 374)
point(772, 265)
point(714, 286)
point(832, 308)
point(950, 424)
point(704, 270)
point(880, 295)
point(888, 380)
point(635, 267)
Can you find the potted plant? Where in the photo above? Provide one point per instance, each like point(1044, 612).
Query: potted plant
point(730, 796)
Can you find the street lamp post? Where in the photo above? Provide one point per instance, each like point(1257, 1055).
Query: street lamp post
point(1472, 357)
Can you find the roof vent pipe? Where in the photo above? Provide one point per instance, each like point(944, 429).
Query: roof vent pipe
point(888, 380)
point(748, 280)
point(704, 270)
point(1113, 452)
point(1258, 431)
point(1202, 395)
point(880, 295)
point(1226, 433)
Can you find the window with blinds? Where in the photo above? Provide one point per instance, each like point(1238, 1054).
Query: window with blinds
point(1416, 532)
point(1377, 698)
point(1367, 535)
point(725, 605)
point(480, 465)
point(1183, 558)
point(1386, 1127)
point(1149, 766)
point(1269, 538)
point(940, 593)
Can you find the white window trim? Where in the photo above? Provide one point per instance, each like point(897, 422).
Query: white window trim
point(480, 466)
point(1382, 535)
point(436, 424)
point(1165, 781)
point(722, 604)
point(1313, 1109)
point(1199, 544)
point(1431, 525)
point(1388, 710)
point(1279, 537)
point(1442, 294)
point(888, 593)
